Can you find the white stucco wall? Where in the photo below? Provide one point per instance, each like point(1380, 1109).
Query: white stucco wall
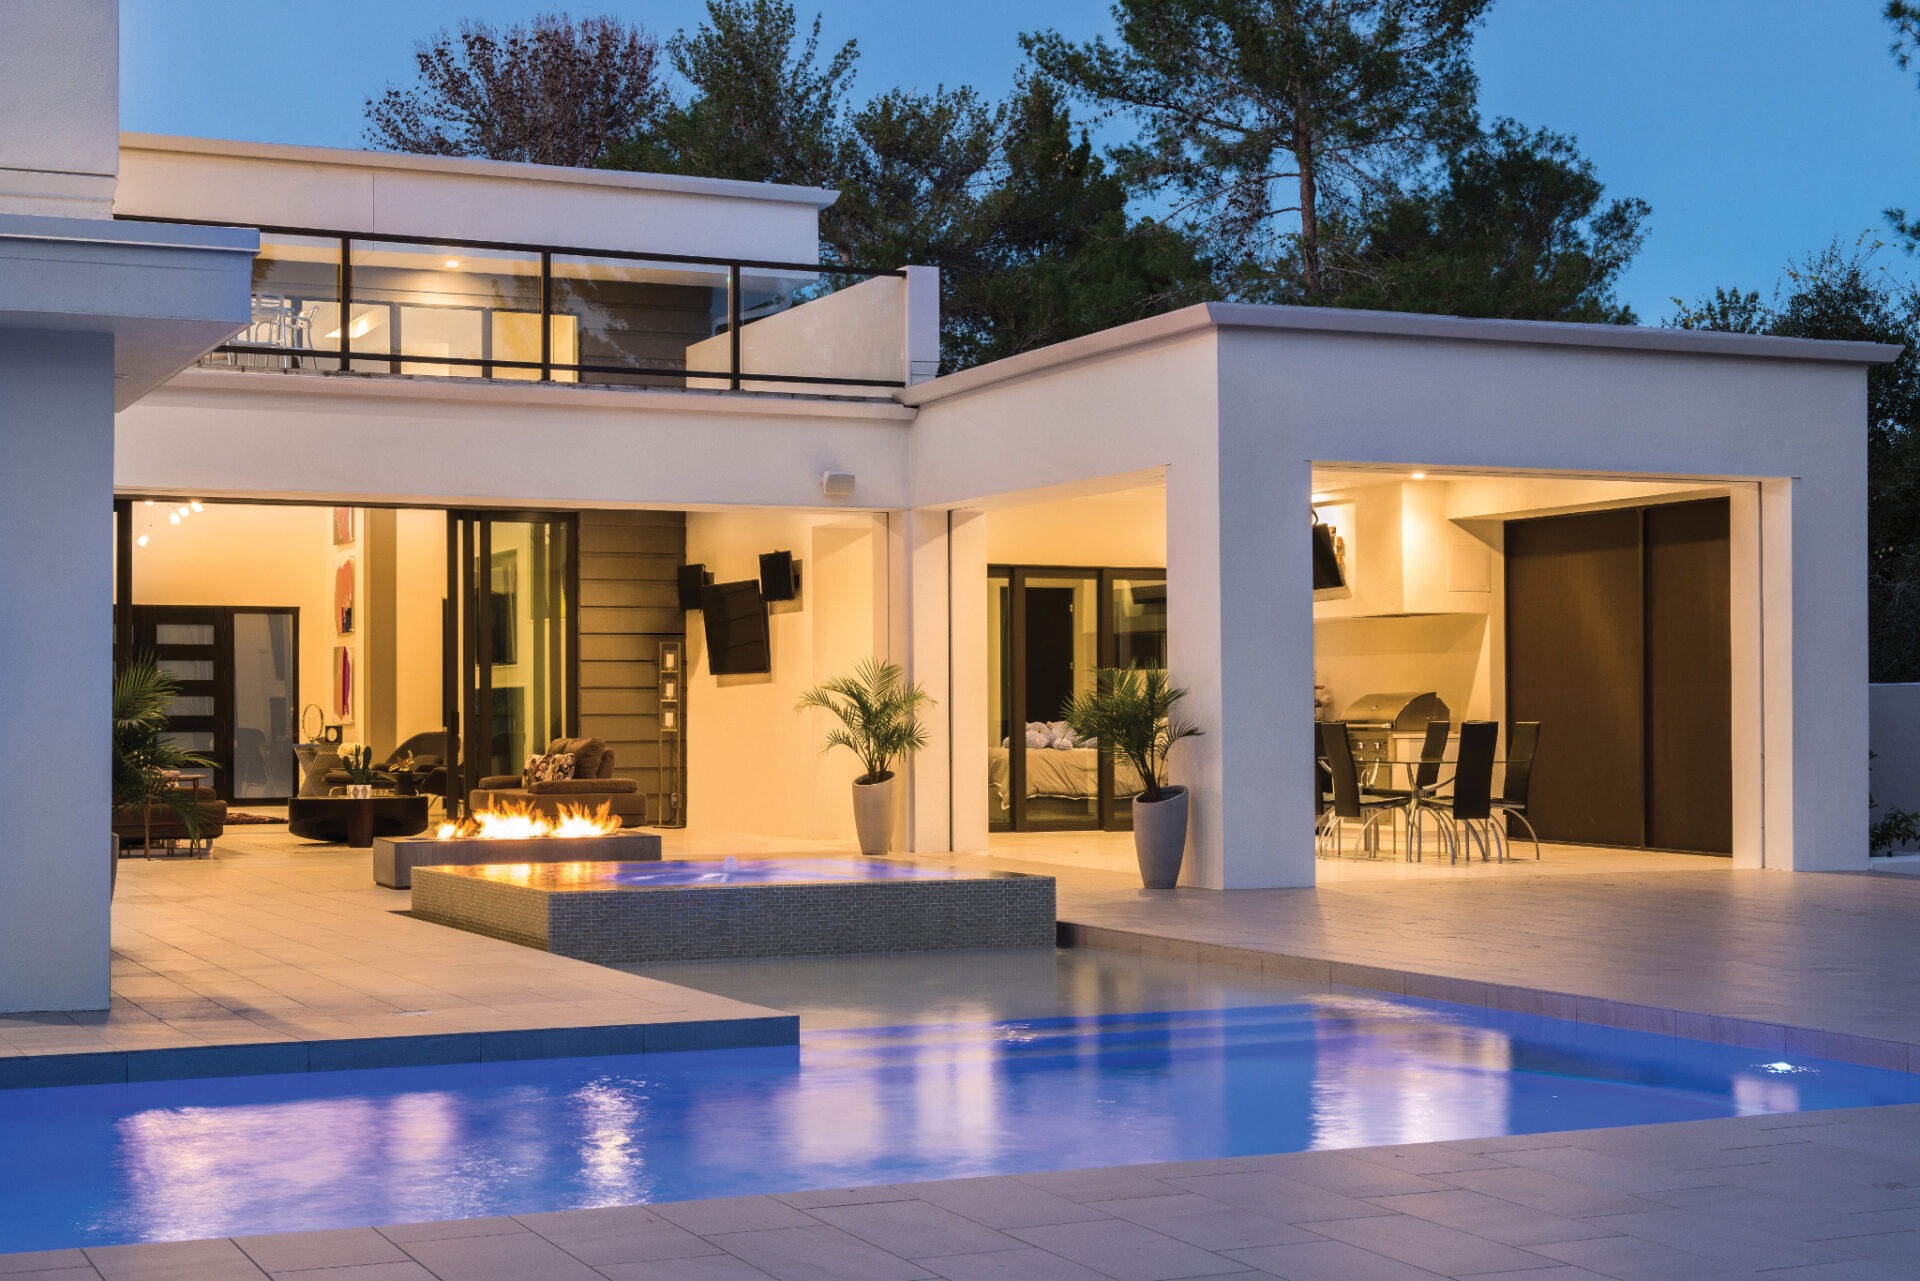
point(755, 764)
point(1894, 717)
point(443, 442)
point(59, 61)
point(374, 193)
point(56, 639)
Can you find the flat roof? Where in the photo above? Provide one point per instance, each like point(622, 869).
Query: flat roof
point(346, 157)
point(1395, 324)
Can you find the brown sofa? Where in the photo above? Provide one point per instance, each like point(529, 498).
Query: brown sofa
point(592, 786)
point(168, 829)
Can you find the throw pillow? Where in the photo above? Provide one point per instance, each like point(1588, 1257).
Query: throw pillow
point(527, 770)
point(552, 768)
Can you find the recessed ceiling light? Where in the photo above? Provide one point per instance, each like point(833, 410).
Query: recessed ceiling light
point(1419, 475)
point(173, 518)
point(452, 263)
point(195, 504)
point(1321, 498)
point(140, 541)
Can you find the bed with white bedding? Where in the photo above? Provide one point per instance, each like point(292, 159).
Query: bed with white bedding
point(1058, 768)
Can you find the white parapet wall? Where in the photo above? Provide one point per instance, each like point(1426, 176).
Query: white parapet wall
point(1893, 728)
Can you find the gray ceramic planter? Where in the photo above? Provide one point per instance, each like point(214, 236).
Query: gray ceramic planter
point(1160, 837)
point(873, 814)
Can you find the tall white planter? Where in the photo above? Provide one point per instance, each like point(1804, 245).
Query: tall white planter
point(1160, 837)
point(873, 814)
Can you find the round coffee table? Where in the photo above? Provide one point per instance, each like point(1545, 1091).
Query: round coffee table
point(356, 821)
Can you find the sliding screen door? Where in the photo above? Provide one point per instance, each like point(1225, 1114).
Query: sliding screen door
point(1619, 644)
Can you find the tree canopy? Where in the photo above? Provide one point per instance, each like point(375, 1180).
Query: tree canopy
point(1514, 225)
point(550, 91)
point(1305, 151)
point(1844, 293)
point(1256, 116)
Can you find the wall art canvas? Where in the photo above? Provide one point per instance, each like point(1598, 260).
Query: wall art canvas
point(342, 526)
point(344, 674)
point(343, 597)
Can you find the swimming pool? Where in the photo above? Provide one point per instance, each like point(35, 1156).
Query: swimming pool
point(95, 1165)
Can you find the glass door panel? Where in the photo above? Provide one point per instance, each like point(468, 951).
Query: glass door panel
point(1059, 633)
point(513, 640)
point(1000, 720)
point(265, 692)
point(1139, 638)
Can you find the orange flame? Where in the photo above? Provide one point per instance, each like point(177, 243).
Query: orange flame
point(519, 821)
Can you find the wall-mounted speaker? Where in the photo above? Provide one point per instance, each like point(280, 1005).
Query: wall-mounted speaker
point(779, 576)
point(836, 485)
point(692, 584)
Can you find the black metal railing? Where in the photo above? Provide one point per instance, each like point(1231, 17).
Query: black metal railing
point(641, 306)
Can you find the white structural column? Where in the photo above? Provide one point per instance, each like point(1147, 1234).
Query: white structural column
point(56, 632)
point(924, 653)
point(1261, 689)
point(967, 693)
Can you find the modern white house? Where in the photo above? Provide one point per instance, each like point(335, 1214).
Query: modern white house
point(415, 446)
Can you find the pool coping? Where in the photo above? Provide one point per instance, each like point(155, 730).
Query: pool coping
point(1755, 1034)
point(266, 1058)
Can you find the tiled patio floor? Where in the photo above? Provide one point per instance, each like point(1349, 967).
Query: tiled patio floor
point(281, 956)
point(1831, 1196)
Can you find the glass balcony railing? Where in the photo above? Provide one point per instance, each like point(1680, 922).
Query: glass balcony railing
point(327, 302)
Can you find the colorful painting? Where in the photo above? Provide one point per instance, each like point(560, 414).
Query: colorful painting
point(342, 526)
point(343, 597)
point(343, 675)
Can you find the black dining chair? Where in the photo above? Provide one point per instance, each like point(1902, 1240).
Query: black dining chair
point(1422, 786)
point(1469, 812)
point(1523, 744)
point(1350, 803)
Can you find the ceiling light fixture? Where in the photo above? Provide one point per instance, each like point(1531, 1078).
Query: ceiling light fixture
point(1419, 475)
point(173, 518)
point(1323, 498)
point(451, 263)
point(140, 541)
point(195, 504)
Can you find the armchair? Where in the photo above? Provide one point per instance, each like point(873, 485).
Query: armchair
point(592, 786)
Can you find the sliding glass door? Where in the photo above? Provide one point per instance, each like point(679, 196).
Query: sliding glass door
point(1049, 630)
point(512, 640)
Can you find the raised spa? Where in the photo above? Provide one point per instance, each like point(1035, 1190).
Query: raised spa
point(617, 913)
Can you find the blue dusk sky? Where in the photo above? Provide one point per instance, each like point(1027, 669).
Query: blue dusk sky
point(1757, 129)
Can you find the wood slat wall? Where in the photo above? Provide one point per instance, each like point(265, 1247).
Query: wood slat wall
point(628, 564)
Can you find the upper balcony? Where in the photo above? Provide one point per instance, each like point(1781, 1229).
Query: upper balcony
point(429, 267)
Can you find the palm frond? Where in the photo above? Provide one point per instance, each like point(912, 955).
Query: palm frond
point(879, 714)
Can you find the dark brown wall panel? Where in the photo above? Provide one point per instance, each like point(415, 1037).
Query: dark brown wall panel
point(628, 605)
point(1575, 663)
point(1689, 678)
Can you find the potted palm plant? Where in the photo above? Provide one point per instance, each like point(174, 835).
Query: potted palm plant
point(879, 713)
point(1131, 713)
point(147, 763)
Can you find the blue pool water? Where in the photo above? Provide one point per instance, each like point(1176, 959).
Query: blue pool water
point(104, 1164)
point(767, 871)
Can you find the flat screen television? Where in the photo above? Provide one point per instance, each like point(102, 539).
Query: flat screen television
point(736, 622)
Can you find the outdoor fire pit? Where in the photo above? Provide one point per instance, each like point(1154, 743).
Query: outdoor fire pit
point(514, 834)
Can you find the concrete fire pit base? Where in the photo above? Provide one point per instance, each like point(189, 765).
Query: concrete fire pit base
point(395, 857)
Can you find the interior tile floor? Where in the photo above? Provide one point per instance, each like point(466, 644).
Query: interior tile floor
point(1817, 1196)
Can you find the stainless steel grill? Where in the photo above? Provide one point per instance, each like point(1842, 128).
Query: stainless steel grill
point(1375, 720)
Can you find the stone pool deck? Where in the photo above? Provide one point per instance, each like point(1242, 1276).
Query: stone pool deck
point(1821, 1196)
point(1822, 965)
point(293, 960)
